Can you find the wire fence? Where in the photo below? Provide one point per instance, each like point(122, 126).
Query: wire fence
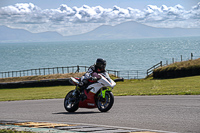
point(49, 71)
point(132, 74)
point(180, 59)
point(150, 70)
point(126, 74)
point(43, 71)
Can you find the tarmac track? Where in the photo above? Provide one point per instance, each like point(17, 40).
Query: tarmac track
point(164, 113)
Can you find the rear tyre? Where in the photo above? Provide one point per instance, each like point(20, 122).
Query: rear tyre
point(70, 102)
point(107, 103)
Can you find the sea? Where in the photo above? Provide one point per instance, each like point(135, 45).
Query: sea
point(121, 55)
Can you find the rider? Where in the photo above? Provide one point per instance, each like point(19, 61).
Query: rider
point(98, 67)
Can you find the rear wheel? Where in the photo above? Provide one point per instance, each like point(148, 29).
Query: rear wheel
point(105, 104)
point(70, 102)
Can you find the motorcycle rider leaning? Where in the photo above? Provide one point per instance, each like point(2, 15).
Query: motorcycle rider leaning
point(98, 67)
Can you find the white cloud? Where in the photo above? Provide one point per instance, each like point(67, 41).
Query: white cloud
point(76, 20)
point(19, 9)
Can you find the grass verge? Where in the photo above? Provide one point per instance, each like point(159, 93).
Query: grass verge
point(13, 131)
point(40, 77)
point(178, 69)
point(177, 86)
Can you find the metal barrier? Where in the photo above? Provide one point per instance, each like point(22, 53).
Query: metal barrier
point(44, 71)
point(132, 74)
point(48, 71)
point(150, 70)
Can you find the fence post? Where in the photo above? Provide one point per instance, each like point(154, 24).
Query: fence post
point(191, 56)
point(181, 58)
point(57, 71)
point(39, 72)
point(78, 69)
point(62, 70)
point(128, 74)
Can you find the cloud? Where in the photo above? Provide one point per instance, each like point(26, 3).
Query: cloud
point(76, 20)
point(19, 9)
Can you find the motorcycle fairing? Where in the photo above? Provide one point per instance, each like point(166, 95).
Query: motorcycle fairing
point(103, 81)
point(94, 88)
point(89, 102)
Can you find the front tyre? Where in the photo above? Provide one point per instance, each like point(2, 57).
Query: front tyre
point(105, 104)
point(70, 102)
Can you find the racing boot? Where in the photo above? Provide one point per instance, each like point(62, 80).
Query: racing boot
point(80, 91)
point(82, 94)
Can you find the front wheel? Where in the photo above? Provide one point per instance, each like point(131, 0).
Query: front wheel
point(70, 102)
point(105, 104)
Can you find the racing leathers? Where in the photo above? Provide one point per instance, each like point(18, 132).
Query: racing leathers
point(88, 75)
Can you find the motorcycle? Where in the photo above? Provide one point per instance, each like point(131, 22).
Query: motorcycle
point(97, 94)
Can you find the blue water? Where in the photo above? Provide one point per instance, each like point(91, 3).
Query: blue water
point(136, 54)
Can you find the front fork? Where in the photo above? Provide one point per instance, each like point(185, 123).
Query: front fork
point(75, 94)
point(102, 95)
point(76, 91)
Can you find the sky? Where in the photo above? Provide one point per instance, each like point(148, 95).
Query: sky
point(72, 17)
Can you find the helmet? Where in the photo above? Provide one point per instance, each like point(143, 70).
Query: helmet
point(100, 65)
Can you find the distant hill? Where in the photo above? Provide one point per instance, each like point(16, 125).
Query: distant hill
point(127, 30)
point(131, 30)
point(20, 35)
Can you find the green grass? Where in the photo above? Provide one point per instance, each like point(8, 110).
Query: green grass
point(34, 93)
point(177, 86)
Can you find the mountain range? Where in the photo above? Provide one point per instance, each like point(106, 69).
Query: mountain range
point(126, 30)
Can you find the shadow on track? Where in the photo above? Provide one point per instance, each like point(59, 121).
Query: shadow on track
point(90, 112)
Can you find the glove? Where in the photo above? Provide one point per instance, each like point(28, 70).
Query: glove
point(94, 78)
